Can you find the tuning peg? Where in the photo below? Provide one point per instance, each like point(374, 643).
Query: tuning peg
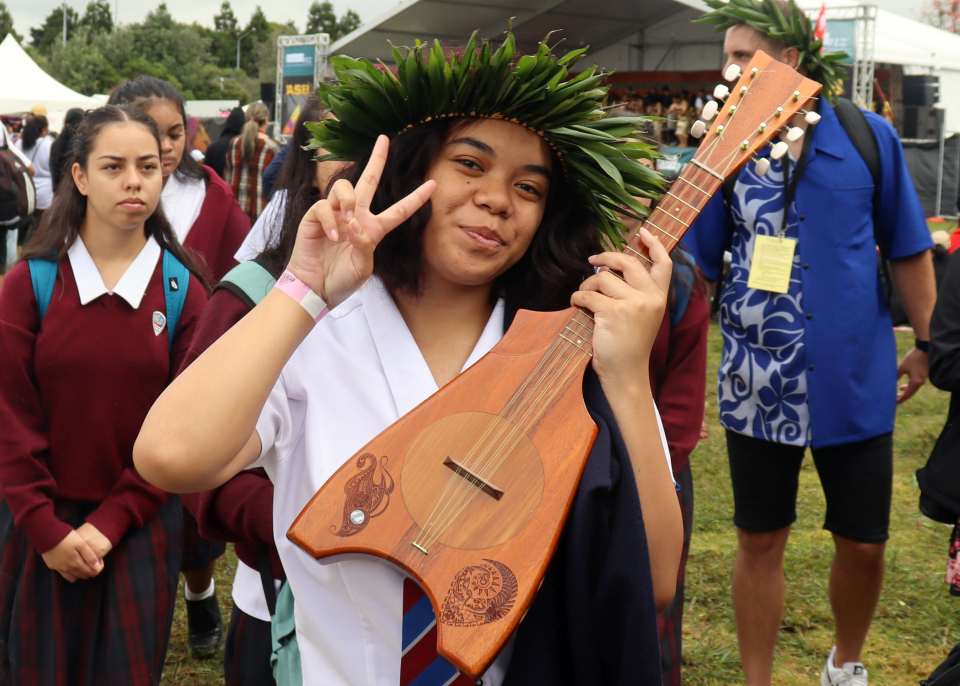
point(721, 92)
point(710, 110)
point(794, 134)
point(779, 150)
point(698, 129)
point(811, 117)
point(762, 165)
point(732, 73)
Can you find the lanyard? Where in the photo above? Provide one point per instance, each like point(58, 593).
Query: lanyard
point(790, 185)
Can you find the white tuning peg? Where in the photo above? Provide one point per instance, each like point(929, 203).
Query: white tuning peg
point(732, 73)
point(710, 110)
point(811, 118)
point(794, 134)
point(721, 92)
point(763, 166)
point(779, 150)
point(698, 129)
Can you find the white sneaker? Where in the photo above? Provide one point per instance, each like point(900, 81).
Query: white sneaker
point(852, 674)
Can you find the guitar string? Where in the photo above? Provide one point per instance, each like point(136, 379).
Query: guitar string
point(466, 460)
point(677, 196)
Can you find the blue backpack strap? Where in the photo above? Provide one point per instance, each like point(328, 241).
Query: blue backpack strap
point(249, 281)
point(176, 281)
point(43, 274)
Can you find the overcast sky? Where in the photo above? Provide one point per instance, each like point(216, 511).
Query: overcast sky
point(31, 13)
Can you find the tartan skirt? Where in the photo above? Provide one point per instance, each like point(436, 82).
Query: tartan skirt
point(198, 552)
point(111, 629)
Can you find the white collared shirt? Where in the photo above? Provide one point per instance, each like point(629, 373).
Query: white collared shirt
point(266, 227)
point(131, 286)
point(181, 199)
point(357, 372)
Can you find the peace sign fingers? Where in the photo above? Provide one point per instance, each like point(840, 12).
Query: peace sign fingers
point(367, 185)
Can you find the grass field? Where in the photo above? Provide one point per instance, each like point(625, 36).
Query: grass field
point(916, 621)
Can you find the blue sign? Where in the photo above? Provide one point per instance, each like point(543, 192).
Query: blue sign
point(298, 60)
point(841, 37)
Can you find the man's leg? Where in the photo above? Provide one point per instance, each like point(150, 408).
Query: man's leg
point(856, 578)
point(857, 481)
point(765, 476)
point(758, 597)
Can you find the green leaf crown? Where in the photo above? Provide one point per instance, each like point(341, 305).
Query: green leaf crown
point(794, 31)
point(535, 91)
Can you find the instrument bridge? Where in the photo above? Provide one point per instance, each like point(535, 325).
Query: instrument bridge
point(475, 480)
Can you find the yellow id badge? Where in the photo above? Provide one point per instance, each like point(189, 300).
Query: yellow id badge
point(772, 263)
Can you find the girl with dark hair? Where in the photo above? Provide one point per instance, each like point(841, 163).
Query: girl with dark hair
point(248, 157)
point(91, 551)
point(201, 206)
point(61, 152)
point(404, 276)
point(207, 219)
point(35, 142)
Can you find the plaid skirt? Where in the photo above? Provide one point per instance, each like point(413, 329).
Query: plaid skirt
point(670, 621)
point(111, 629)
point(198, 552)
point(246, 655)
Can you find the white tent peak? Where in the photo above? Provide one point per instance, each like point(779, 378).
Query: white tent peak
point(24, 84)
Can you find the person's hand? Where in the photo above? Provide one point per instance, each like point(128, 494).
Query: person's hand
point(98, 543)
point(916, 366)
point(73, 558)
point(627, 313)
point(333, 253)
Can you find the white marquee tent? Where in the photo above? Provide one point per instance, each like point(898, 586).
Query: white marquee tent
point(629, 35)
point(23, 84)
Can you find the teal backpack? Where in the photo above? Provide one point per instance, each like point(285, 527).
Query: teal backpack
point(251, 282)
point(176, 281)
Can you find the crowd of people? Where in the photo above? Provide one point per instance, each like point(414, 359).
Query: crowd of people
point(232, 326)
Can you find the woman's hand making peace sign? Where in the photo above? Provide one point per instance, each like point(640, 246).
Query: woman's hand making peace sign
point(333, 253)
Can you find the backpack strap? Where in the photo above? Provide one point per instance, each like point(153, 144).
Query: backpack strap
point(249, 281)
point(176, 281)
point(43, 274)
point(861, 134)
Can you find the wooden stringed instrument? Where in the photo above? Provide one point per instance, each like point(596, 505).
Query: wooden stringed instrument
point(468, 492)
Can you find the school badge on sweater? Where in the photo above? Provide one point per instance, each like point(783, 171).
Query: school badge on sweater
point(159, 323)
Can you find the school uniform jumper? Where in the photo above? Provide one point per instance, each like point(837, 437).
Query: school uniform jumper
point(74, 392)
point(207, 219)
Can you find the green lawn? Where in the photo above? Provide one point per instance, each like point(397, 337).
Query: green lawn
point(916, 622)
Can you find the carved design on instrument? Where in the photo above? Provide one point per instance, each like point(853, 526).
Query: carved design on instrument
point(479, 594)
point(368, 495)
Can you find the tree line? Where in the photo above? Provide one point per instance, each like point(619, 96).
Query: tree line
point(200, 60)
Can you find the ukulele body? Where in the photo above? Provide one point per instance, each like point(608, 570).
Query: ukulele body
point(475, 527)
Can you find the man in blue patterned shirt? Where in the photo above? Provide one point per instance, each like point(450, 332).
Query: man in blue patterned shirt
point(815, 366)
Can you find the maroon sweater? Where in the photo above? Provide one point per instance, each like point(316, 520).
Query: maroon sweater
point(219, 229)
point(678, 375)
point(241, 510)
point(73, 395)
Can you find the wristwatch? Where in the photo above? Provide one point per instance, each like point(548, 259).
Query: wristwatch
point(923, 346)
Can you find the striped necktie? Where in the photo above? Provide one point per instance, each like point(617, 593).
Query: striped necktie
point(420, 665)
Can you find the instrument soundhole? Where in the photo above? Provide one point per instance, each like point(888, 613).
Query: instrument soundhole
point(447, 476)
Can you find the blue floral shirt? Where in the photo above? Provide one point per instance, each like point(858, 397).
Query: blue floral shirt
point(762, 380)
point(817, 365)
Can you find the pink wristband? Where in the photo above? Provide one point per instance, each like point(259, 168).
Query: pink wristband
point(302, 293)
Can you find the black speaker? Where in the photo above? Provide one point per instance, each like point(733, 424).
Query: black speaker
point(922, 122)
point(922, 90)
point(268, 93)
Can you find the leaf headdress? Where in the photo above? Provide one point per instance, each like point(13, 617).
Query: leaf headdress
point(794, 31)
point(535, 91)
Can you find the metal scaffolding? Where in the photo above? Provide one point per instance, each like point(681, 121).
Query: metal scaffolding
point(862, 68)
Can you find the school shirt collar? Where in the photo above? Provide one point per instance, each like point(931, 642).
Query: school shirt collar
point(407, 373)
point(182, 198)
point(131, 286)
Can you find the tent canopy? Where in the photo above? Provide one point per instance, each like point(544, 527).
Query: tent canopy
point(23, 84)
point(583, 22)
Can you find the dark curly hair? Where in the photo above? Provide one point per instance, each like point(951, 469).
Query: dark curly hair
point(543, 279)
